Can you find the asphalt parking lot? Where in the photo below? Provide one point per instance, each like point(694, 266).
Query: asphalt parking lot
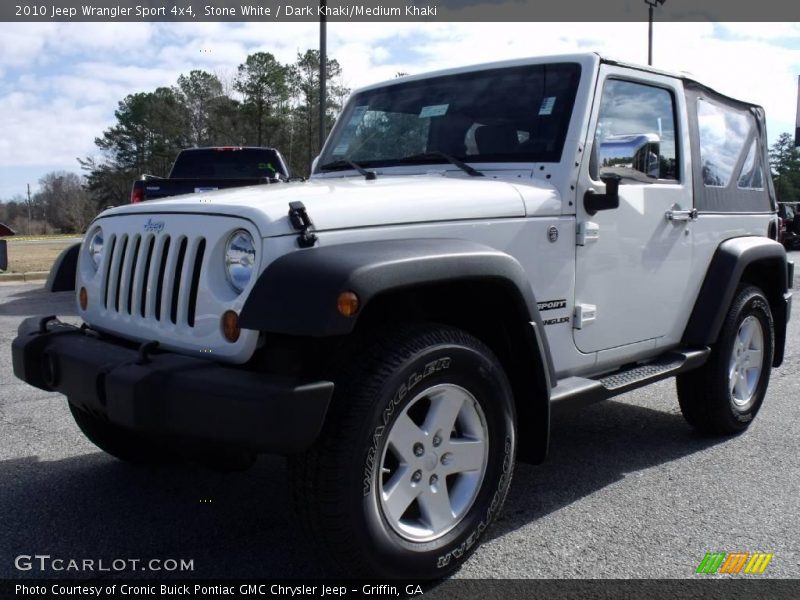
point(629, 490)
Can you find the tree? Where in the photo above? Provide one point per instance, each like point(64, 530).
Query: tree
point(785, 165)
point(262, 81)
point(151, 129)
point(228, 125)
point(107, 184)
point(12, 213)
point(63, 203)
point(305, 87)
point(200, 92)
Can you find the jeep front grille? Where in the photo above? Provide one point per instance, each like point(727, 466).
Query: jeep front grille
point(153, 276)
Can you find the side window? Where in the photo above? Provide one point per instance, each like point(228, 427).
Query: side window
point(635, 136)
point(724, 135)
point(751, 177)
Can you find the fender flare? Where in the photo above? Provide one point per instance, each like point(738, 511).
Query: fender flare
point(296, 294)
point(729, 263)
point(63, 272)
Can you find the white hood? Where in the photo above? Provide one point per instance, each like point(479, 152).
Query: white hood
point(346, 202)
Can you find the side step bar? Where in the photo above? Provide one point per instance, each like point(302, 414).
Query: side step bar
point(574, 392)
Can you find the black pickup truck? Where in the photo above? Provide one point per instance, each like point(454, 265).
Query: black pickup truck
point(205, 169)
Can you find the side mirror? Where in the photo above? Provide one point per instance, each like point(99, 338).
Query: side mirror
point(592, 201)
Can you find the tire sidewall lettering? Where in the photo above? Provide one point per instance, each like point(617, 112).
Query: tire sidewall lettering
point(435, 366)
point(497, 498)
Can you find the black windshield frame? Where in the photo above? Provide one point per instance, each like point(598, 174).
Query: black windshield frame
point(529, 104)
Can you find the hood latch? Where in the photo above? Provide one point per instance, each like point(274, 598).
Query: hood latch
point(303, 223)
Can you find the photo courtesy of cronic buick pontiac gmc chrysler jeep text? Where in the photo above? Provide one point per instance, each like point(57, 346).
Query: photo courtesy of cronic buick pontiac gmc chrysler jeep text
point(475, 246)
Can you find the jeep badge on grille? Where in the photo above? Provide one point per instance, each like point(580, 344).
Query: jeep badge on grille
point(155, 226)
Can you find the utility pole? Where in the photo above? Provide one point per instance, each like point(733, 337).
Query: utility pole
point(651, 4)
point(650, 35)
point(797, 118)
point(29, 210)
point(323, 71)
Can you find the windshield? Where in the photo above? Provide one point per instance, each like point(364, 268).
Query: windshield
point(514, 114)
point(227, 163)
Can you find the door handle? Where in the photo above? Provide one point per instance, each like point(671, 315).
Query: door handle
point(677, 214)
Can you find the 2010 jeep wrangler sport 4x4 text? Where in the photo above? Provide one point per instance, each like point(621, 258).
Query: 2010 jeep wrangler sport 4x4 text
point(475, 247)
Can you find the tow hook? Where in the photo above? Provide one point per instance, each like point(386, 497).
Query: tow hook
point(144, 349)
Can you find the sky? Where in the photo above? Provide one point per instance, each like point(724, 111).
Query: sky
point(60, 82)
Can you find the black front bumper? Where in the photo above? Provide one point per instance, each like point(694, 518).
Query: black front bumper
point(168, 394)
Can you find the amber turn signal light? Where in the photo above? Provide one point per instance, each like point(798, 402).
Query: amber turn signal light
point(230, 326)
point(347, 304)
point(83, 298)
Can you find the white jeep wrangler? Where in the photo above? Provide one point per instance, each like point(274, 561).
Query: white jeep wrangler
point(475, 247)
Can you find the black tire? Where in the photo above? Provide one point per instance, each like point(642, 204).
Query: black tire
point(707, 401)
point(120, 443)
point(337, 483)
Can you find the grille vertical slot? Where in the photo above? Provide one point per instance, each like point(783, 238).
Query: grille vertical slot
point(116, 273)
point(140, 294)
point(130, 278)
point(152, 277)
point(109, 258)
point(198, 263)
point(176, 282)
point(162, 271)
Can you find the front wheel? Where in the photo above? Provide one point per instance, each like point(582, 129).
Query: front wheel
point(724, 395)
point(416, 456)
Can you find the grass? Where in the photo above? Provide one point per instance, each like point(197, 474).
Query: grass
point(43, 236)
point(39, 256)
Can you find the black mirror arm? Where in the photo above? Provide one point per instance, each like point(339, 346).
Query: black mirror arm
point(593, 202)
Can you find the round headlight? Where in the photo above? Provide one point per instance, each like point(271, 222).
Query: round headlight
point(96, 247)
point(240, 259)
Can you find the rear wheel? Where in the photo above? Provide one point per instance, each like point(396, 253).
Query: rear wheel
point(120, 443)
point(724, 396)
point(415, 458)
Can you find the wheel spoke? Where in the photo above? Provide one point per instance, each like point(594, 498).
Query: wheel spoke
point(741, 387)
point(464, 455)
point(398, 494)
point(746, 379)
point(733, 375)
point(756, 356)
point(445, 406)
point(404, 435)
point(436, 508)
point(746, 333)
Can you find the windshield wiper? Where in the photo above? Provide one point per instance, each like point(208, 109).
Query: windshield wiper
point(337, 165)
point(424, 156)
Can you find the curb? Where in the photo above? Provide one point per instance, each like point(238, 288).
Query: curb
point(24, 277)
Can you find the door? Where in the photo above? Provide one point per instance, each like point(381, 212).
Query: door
point(632, 269)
